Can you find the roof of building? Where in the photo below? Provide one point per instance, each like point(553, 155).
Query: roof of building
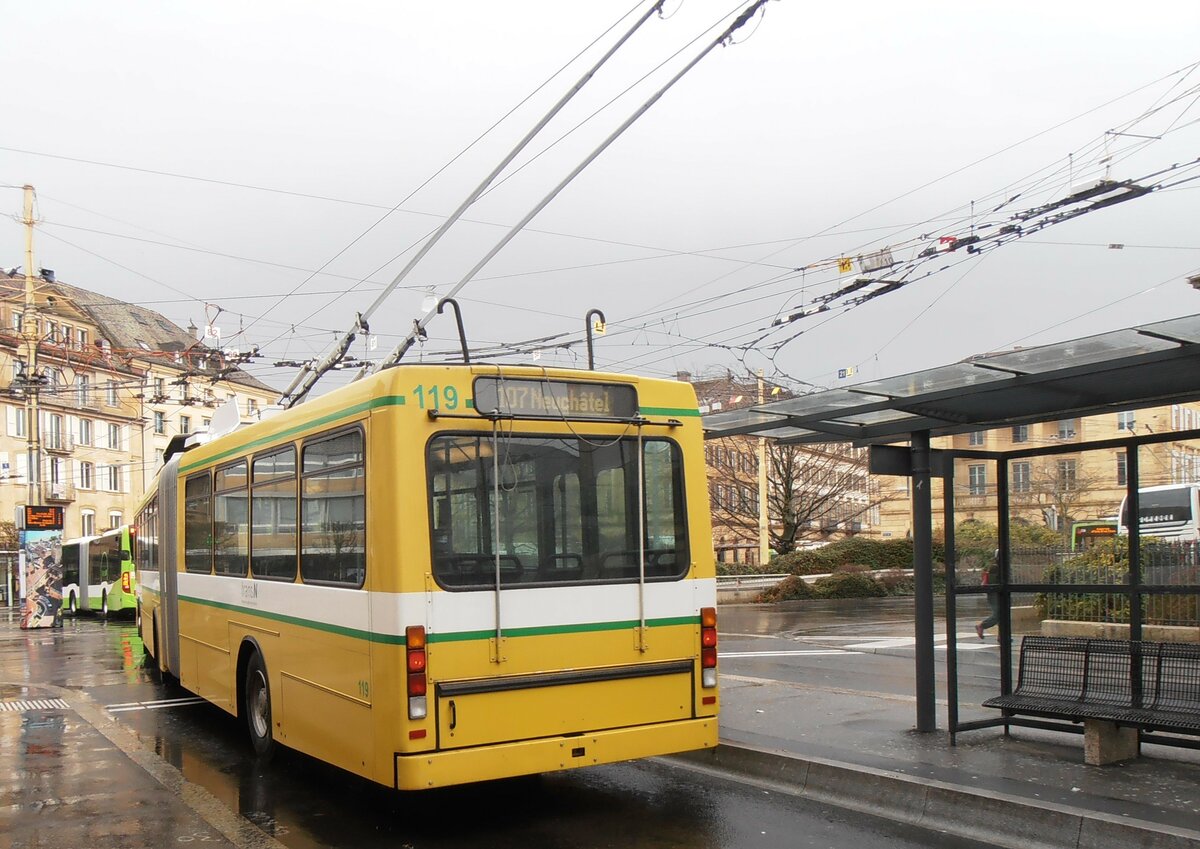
point(1144, 366)
point(138, 330)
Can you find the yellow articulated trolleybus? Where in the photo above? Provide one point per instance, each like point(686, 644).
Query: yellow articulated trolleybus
point(445, 574)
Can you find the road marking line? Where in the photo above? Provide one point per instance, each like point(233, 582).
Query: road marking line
point(805, 653)
point(33, 704)
point(158, 705)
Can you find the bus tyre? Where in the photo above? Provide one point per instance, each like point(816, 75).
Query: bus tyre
point(71, 604)
point(258, 707)
point(104, 605)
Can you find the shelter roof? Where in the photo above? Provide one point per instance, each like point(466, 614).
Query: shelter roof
point(1145, 366)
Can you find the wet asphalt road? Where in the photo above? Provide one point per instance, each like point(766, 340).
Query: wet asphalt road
point(303, 803)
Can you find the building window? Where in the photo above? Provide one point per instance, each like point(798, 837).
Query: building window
point(81, 337)
point(206, 423)
point(185, 424)
point(1021, 477)
point(112, 478)
point(1125, 421)
point(1020, 433)
point(1122, 468)
point(252, 407)
point(85, 431)
point(56, 471)
point(86, 475)
point(976, 438)
point(1066, 475)
point(17, 419)
point(18, 320)
point(160, 387)
point(114, 436)
point(114, 519)
point(1066, 428)
point(87, 522)
point(55, 437)
point(160, 422)
point(977, 479)
point(51, 332)
point(83, 390)
point(110, 396)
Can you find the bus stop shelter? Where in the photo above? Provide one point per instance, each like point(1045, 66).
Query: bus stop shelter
point(1144, 366)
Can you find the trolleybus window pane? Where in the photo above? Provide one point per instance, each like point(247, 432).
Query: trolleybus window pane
point(568, 511)
point(197, 524)
point(333, 511)
point(273, 540)
point(231, 521)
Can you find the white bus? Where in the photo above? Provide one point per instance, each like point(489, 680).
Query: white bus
point(1170, 512)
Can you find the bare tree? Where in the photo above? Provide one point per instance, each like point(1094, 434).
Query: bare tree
point(812, 490)
point(1059, 488)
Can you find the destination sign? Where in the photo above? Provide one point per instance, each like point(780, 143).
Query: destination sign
point(43, 518)
point(543, 398)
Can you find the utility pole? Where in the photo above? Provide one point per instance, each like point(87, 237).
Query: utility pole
point(764, 510)
point(29, 333)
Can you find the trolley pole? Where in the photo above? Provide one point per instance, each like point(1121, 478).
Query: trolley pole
point(29, 334)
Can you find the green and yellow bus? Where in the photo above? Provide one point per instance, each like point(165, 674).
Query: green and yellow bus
point(99, 574)
point(445, 574)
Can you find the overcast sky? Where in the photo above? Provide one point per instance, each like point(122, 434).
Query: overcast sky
point(855, 120)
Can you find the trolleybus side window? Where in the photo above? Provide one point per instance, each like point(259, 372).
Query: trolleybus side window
point(333, 510)
point(147, 537)
point(567, 508)
point(70, 562)
point(231, 520)
point(273, 541)
point(197, 524)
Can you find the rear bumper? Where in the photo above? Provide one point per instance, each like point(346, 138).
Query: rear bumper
point(460, 766)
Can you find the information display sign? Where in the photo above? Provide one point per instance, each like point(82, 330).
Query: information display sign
point(541, 398)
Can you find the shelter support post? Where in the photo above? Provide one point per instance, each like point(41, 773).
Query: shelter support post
point(922, 506)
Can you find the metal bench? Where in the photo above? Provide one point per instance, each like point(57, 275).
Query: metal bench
point(1145, 685)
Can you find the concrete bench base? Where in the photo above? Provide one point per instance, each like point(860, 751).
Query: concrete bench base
point(1107, 743)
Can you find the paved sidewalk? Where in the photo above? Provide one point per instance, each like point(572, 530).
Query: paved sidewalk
point(881, 764)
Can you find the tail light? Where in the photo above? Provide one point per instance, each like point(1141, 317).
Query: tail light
point(414, 644)
point(708, 647)
point(126, 582)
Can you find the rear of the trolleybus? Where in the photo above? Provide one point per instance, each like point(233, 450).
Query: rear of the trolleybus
point(567, 627)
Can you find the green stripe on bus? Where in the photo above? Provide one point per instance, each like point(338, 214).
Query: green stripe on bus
point(353, 633)
point(373, 404)
point(685, 412)
point(452, 637)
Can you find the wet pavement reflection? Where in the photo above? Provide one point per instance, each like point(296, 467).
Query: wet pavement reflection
point(66, 784)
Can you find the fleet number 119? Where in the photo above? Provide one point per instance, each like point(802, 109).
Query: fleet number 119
point(433, 397)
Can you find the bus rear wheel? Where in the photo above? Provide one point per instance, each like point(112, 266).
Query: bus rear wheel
point(104, 605)
point(258, 707)
point(72, 604)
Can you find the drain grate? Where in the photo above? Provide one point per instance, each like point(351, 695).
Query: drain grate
point(33, 704)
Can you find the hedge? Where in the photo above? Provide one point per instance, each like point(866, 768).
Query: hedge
point(872, 553)
point(1108, 563)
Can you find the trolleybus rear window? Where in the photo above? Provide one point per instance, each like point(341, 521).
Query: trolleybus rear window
point(561, 510)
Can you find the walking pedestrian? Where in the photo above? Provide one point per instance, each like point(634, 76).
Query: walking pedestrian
point(990, 579)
